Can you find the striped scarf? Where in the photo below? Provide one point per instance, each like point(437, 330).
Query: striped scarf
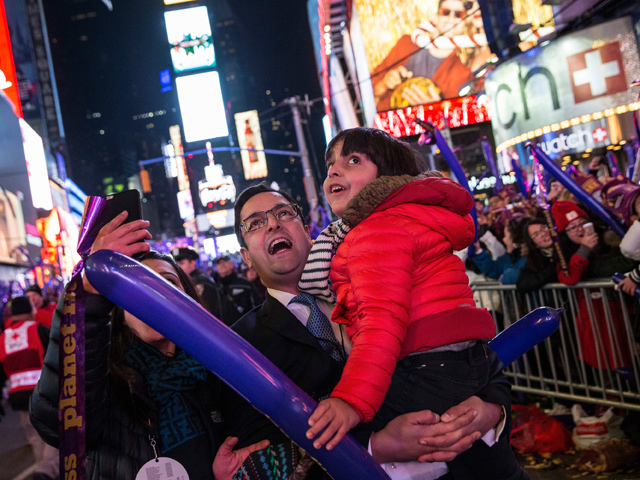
point(315, 276)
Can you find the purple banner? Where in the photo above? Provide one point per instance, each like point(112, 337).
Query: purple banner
point(521, 178)
point(71, 407)
point(71, 419)
point(432, 132)
point(546, 211)
point(488, 156)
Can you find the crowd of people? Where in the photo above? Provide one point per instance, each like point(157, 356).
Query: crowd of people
point(403, 364)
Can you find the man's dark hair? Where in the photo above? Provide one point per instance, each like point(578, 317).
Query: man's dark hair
point(222, 258)
point(184, 253)
point(245, 196)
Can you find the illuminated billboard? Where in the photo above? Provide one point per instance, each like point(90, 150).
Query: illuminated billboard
point(254, 164)
point(8, 79)
point(458, 113)
point(36, 167)
point(567, 95)
point(189, 34)
point(12, 229)
point(201, 106)
point(424, 51)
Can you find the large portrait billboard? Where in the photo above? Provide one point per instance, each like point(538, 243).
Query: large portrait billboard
point(421, 52)
point(424, 51)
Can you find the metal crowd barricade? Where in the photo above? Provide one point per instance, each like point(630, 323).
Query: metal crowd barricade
point(593, 357)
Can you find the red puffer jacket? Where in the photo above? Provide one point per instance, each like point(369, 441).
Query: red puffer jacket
point(400, 289)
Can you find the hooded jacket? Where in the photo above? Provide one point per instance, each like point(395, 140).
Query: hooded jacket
point(399, 287)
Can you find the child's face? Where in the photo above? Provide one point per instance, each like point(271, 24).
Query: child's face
point(346, 175)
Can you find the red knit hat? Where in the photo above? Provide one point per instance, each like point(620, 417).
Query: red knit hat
point(564, 211)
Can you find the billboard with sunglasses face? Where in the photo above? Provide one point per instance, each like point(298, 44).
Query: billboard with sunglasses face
point(423, 51)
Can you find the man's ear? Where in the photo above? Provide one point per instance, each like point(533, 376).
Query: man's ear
point(246, 256)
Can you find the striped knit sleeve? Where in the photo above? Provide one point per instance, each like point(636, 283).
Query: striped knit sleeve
point(315, 276)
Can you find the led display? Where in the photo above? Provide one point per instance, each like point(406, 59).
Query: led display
point(254, 163)
point(189, 34)
point(201, 106)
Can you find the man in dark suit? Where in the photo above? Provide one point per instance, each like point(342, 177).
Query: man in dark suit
point(275, 241)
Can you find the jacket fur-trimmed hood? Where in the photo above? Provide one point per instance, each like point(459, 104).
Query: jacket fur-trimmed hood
point(430, 188)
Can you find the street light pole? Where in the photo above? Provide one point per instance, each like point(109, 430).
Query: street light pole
point(309, 180)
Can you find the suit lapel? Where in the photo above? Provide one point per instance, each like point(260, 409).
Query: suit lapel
point(276, 316)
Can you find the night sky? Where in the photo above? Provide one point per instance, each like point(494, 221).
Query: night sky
point(107, 70)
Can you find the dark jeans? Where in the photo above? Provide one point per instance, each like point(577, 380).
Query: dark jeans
point(439, 380)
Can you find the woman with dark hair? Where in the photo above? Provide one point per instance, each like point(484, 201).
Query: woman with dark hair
point(507, 267)
point(145, 397)
point(540, 267)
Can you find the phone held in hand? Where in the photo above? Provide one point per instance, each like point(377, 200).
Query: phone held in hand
point(588, 228)
point(128, 200)
point(100, 210)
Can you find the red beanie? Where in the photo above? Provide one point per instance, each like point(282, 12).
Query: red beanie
point(564, 211)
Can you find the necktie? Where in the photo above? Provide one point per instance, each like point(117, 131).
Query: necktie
point(320, 327)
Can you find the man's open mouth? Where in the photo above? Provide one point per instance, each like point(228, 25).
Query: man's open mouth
point(278, 245)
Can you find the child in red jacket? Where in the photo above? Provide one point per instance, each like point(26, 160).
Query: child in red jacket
point(402, 294)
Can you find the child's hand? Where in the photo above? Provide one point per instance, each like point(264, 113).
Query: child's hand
point(337, 416)
point(228, 461)
point(628, 286)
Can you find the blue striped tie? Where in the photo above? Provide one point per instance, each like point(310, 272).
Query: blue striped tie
point(319, 326)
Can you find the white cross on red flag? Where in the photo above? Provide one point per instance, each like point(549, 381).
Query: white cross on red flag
point(597, 72)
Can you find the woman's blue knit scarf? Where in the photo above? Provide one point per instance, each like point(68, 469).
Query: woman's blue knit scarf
point(167, 379)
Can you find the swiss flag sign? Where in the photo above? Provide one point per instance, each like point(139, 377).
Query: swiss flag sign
point(597, 72)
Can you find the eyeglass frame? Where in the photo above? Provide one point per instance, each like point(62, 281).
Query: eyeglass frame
point(576, 227)
point(295, 207)
point(544, 229)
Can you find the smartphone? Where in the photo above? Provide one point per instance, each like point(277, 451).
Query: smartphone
point(588, 228)
point(128, 200)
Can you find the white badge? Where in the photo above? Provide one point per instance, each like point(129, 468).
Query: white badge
point(162, 468)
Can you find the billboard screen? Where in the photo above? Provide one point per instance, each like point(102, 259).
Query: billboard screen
point(189, 34)
point(8, 79)
point(12, 229)
point(421, 51)
point(201, 106)
point(36, 167)
point(424, 51)
point(254, 164)
point(561, 95)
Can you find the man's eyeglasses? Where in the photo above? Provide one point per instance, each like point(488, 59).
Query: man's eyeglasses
point(285, 212)
point(575, 227)
point(544, 229)
point(459, 14)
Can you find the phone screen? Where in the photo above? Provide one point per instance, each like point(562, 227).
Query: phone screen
point(588, 228)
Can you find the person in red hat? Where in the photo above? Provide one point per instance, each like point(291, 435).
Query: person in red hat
point(570, 220)
point(589, 257)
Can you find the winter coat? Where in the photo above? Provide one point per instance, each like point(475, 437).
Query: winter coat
point(505, 268)
point(630, 245)
point(399, 287)
point(119, 419)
